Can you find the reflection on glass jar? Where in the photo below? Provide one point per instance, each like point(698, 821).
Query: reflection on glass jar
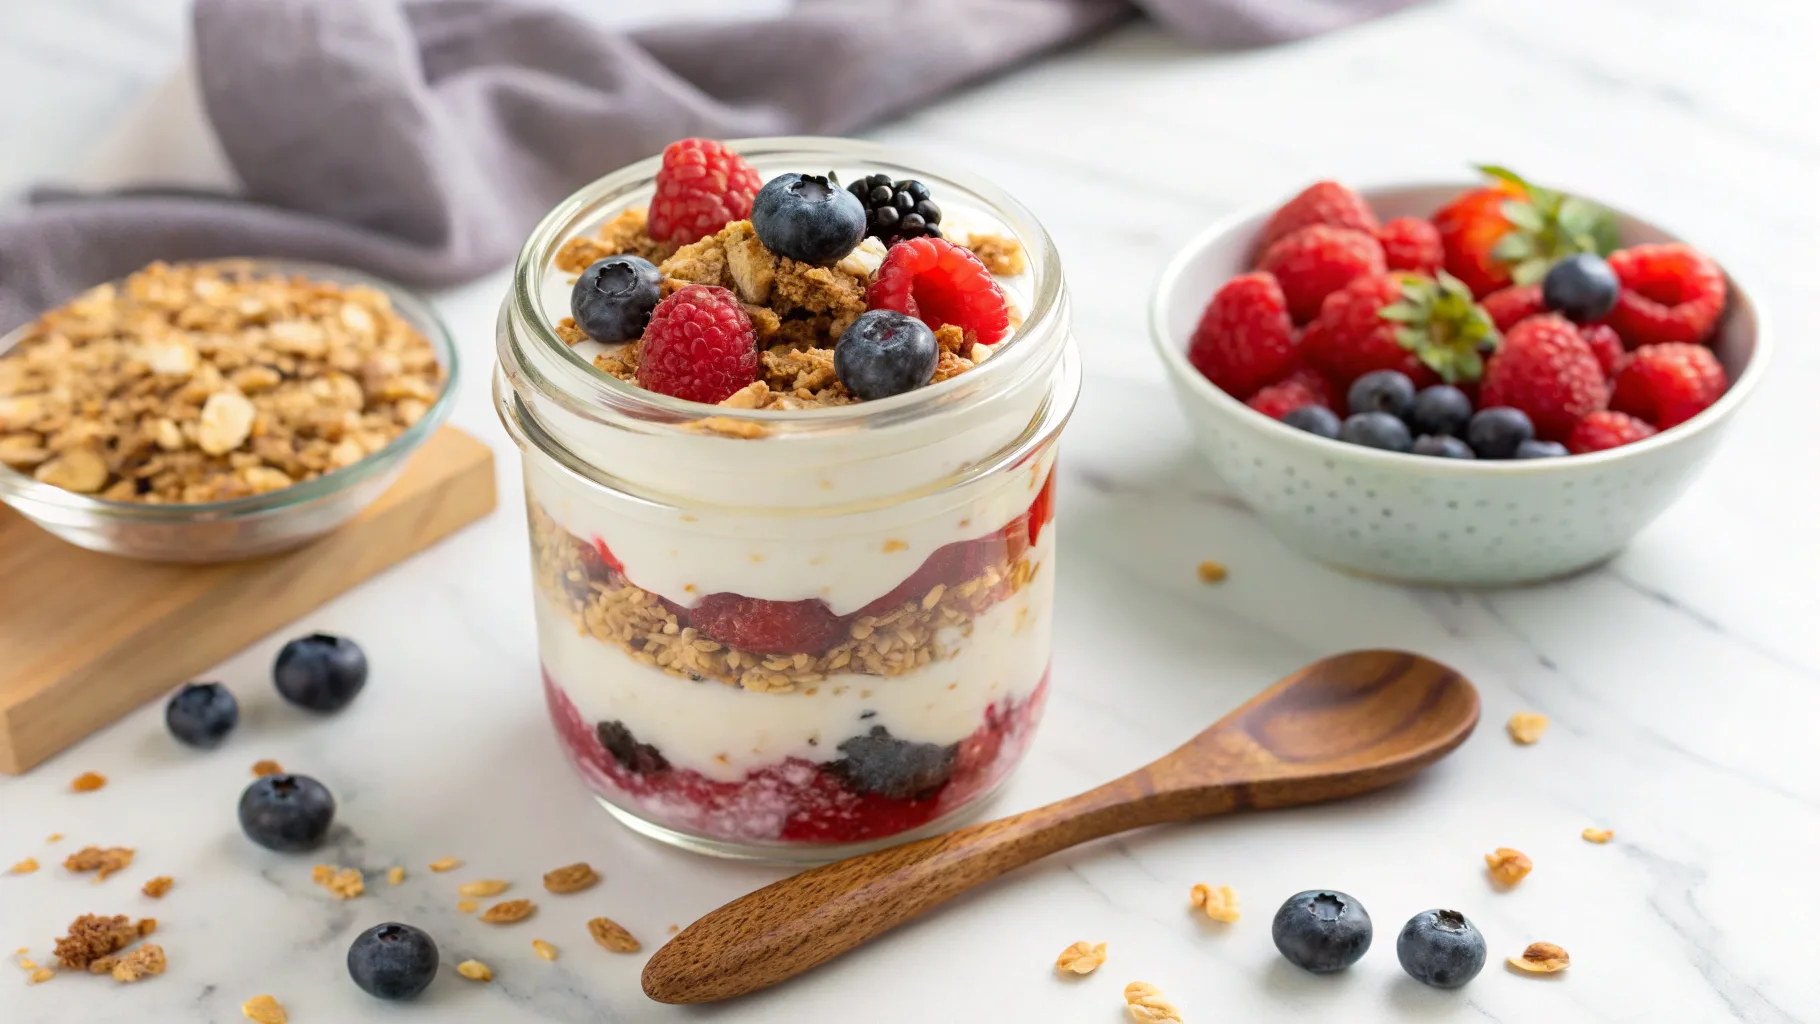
point(791, 633)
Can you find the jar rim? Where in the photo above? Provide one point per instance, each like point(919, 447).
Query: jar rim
point(571, 381)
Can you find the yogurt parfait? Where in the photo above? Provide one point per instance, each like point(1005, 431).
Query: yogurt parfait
point(788, 410)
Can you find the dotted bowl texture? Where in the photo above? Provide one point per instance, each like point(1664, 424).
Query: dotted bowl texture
point(1428, 520)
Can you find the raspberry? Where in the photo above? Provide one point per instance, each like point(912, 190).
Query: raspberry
point(1317, 385)
point(1313, 262)
point(1507, 306)
point(940, 283)
point(1244, 339)
point(699, 345)
point(1042, 510)
point(1545, 369)
point(1668, 384)
point(701, 187)
point(768, 627)
point(1411, 243)
point(1601, 430)
point(1349, 338)
point(1324, 202)
point(1605, 345)
point(1671, 292)
point(1281, 399)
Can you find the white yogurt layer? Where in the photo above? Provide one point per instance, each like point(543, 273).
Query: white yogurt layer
point(725, 732)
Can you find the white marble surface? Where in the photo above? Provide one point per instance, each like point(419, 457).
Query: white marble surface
point(1683, 678)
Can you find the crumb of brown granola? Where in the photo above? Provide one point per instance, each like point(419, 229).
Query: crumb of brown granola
point(157, 887)
point(445, 864)
point(1596, 835)
point(474, 970)
point(1541, 958)
point(24, 867)
point(543, 949)
point(92, 937)
point(54, 837)
point(264, 1010)
point(1001, 254)
point(104, 862)
point(88, 782)
point(1219, 904)
point(1146, 1005)
point(1081, 958)
point(263, 768)
point(146, 926)
point(509, 912)
point(1507, 866)
point(570, 878)
point(141, 963)
point(1210, 572)
point(1526, 727)
point(394, 875)
point(483, 887)
point(625, 233)
point(342, 883)
point(673, 929)
point(611, 936)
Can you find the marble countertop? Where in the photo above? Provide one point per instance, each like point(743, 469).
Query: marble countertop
point(1683, 679)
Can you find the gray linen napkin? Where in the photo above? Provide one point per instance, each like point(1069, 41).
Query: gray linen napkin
point(421, 139)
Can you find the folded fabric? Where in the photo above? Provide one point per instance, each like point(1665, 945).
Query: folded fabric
point(421, 140)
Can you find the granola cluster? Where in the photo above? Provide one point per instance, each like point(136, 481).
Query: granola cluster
point(191, 383)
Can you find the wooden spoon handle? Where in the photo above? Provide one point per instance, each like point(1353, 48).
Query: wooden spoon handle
point(794, 924)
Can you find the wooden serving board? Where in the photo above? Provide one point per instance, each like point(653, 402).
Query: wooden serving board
point(85, 637)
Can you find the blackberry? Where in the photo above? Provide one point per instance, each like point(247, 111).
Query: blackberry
point(896, 210)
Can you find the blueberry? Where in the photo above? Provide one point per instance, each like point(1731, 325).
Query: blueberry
point(1376, 430)
point(202, 714)
point(1316, 419)
point(1440, 409)
point(320, 672)
point(613, 298)
point(1443, 446)
point(287, 813)
point(885, 353)
point(1540, 450)
point(898, 769)
point(1496, 432)
point(1321, 930)
point(1441, 948)
point(1381, 391)
point(1581, 288)
point(393, 961)
point(808, 218)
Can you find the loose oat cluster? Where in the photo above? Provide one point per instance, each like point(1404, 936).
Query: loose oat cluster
point(1508, 866)
point(1081, 958)
point(195, 383)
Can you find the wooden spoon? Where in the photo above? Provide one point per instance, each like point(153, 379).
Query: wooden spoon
point(1340, 727)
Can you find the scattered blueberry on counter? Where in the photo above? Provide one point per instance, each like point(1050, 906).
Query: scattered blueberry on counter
point(1582, 288)
point(202, 714)
point(287, 813)
point(1321, 930)
point(393, 961)
point(808, 218)
point(885, 353)
point(320, 672)
point(613, 298)
point(1441, 948)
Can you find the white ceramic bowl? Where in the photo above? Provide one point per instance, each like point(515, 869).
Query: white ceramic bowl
point(1428, 520)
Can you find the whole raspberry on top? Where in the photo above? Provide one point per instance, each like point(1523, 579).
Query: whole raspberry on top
point(1598, 431)
point(702, 187)
point(940, 283)
point(1313, 262)
point(1668, 384)
point(1244, 339)
point(699, 345)
point(1512, 304)
point(1324, 202)
point(1411, 243)
point(1605, 345)
point(1349, 339)
point(1545, 368)
point(1670, 292)
point(1316, 384)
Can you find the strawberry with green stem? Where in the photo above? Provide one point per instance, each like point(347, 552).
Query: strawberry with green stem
point(1513, 231)
point(1439, 322)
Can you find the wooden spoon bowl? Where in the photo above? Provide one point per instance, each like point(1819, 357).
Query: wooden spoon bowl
point(1345, 725)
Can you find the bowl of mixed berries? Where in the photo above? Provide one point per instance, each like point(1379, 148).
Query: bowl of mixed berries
point(1484, 385)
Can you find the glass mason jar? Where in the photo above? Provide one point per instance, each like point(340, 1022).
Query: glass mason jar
point(668, 538)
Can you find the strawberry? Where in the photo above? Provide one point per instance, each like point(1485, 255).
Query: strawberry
point(768, 627)
point(1549, 372)
point(1411, 243)
point(1244, 339)
point(1598, 431)
point(1668, 384)
point(1670, 292)
point(1513, 303)
point(1605, 344)
point(1312, 262)
point(1317, 385)
point(1324, 202)
point(1513, 231)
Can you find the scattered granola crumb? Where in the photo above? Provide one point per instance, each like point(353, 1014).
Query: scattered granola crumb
point(474, 970)
point(88, 782)
point(467, 906)
point(1081, 958)
point(92, 937)
point(1507, 866)
point(146, 926)
point(611, 936)
point(1526, 727)
point(1210, 572)
point(673, 929)
point(1219, 904)
point(141, 963)
point(42, 975)
point(445, 864)
point(573, 878)
point(157, 887)
point(25, 867)
point(543, 949)
point(1541, 958)
point(264, 1010)
point(483, 887)
point(625, 233)
point(1146, 1005)
point(344, 883)
point(1596, 835)
point(509, 912)
point(94, 858)
point(893, 544)
point(267, 767)
point(54, 837)
point(394, 875)
point(1002, 255)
